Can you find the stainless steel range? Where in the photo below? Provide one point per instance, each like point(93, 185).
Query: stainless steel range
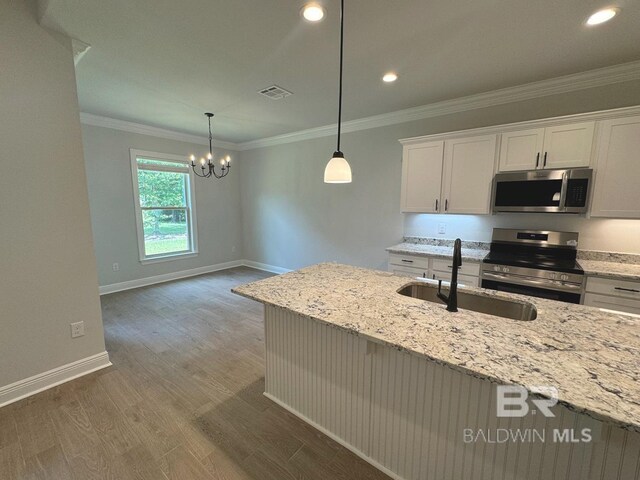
point(534, 262)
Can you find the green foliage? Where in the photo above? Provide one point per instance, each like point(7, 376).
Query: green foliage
point(161, 189)
point(166, 245)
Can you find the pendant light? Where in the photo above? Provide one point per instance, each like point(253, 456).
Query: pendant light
point(338, 169)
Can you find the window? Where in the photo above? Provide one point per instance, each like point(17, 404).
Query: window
point(165, 207)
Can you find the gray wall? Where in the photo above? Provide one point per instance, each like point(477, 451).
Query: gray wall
point(292, 219)
point(47, 265)
point(112, 206)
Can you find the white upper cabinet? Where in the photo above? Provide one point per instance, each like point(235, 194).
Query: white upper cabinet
point(568, 146)
point(559, 146)
point(521, 150)
point(422, 177)
point(469, 165)
point(452, 176)
point(616, 191)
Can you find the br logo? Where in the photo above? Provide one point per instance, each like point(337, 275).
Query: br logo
point(512, 400)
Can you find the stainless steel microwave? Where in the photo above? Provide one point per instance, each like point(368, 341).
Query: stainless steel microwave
point(547, 191)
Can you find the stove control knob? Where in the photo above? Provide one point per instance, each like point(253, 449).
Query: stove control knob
point(505, 270)
point(496, 268)
point(564, 277)
point(552, 276)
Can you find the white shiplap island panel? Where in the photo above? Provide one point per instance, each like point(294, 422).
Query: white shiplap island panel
point(406, 414)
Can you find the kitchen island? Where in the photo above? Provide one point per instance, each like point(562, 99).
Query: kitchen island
point(411, 387)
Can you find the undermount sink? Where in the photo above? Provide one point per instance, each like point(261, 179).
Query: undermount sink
point(478, 303)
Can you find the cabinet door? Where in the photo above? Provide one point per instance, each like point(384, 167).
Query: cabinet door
point(407, 271)
point(612, 303)
point(521, 150)
point(469, 164)
point(422, 177)
point(616, 192)
point(467, 280)
point(568, 146)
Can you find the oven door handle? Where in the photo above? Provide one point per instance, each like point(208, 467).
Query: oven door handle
point(548, 285)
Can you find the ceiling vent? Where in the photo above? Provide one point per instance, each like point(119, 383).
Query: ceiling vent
point(275, 92)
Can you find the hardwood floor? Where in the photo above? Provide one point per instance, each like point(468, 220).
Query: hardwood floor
point(183, 400)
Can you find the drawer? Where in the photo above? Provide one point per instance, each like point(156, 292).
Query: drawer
point(468, 280)
point(408, 271)
point(626, 305)
point(612, 286)
point(466, 268)
point(409, 260)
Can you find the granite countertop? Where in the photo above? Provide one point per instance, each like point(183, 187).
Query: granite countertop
point(592, 357)
point(601, 264)
point(436, 251)
point(622, 271)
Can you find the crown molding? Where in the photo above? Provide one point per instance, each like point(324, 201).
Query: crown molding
point(538, 123)
point(107, 122)
point(568, 83)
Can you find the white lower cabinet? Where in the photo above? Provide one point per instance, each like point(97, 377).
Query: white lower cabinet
point(613, 294)
point(408, 265)
point(467, 280)
point(433, 268)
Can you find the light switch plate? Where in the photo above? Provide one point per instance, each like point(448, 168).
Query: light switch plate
point(442, 228)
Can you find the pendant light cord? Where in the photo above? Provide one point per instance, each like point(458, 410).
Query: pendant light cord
point(341, 63)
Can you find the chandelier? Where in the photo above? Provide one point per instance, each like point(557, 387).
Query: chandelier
point(206, 168)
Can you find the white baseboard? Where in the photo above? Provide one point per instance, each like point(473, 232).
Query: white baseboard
point(167, 277)
point(265, 267)
point(43, 381)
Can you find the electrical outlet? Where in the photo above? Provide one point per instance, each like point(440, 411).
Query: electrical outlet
point(116, 267)
point(442, 228)
point(77, 329)
point(233, 249)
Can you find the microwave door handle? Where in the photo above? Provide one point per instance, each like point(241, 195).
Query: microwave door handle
point(563, 191)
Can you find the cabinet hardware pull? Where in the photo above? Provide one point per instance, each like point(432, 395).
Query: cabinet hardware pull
point(537, 159)
point(544, 162)
point(434, 276)
point(407, 261)
point(451, 267)
point(632, 290)
point(446, 205)
point(436, 204)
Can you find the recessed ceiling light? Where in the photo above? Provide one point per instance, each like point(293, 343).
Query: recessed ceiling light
point(390, 77)
point(602, 16)
point(313, 12)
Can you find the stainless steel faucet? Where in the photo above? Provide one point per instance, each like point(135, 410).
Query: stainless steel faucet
point(452, 299)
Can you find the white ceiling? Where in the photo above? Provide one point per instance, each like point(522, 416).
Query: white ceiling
point(165, 62)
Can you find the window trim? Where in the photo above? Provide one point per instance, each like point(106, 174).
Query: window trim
point(134, 154)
